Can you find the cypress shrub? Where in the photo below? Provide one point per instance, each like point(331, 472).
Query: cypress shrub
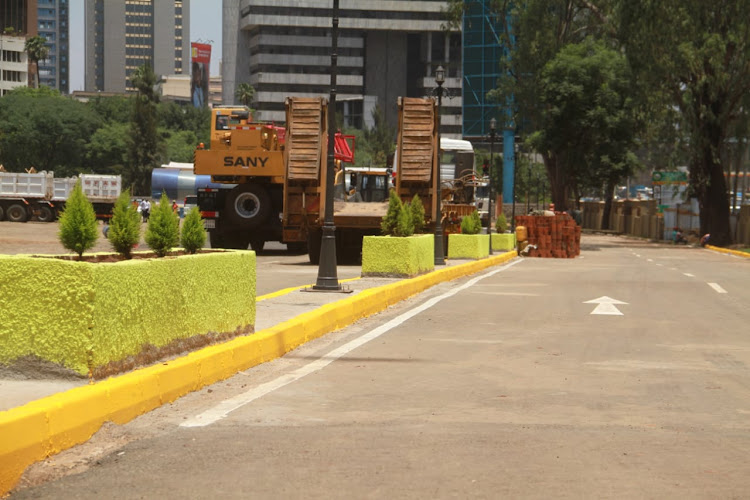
point(471, 224)
point(404, 224)
point(502, 224)
point(417, 214)
point(390, 220)
point(125, 226)
point(163, 231)
point(193, 233)
point(78, 223)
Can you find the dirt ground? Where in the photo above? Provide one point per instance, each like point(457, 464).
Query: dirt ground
point(41, 238)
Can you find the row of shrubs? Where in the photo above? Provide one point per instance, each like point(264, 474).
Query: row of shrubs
point(406, 219)
point(78, 227)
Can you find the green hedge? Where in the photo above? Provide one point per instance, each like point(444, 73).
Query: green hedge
point(468, 246)
point(398, 257)
point(82, 316)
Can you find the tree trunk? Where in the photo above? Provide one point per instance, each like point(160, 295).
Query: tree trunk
point(557, 181)
point(608, 198)
point(713, 200)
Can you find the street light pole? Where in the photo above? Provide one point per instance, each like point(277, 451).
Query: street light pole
point(327, 273)
point(493, 126)
point(439, 251)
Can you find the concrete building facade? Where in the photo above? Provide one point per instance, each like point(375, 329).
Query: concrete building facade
point(123, 35)
point(386, 49)
point(14, 63)
point(53, 25)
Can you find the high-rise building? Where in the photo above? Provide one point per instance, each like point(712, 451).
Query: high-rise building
point(123, 35)
point(53, 25)
point(385, 50)
point(17, 22)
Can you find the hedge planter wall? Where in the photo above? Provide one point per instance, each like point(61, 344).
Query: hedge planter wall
point(398, 257)
point(84, 316)
point(503, 241)
point(468, 246)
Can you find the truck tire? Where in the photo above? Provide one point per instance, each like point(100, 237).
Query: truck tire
point(257, 244)
point(217, 240)
point(248, 206)
point(2, 213)
point(314, 239)
point(17, 213)
point(45, 214)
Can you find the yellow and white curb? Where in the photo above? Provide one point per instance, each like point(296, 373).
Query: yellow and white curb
point(52, 424)
point(736, 253)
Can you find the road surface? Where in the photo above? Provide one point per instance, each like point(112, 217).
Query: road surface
point(619, 374)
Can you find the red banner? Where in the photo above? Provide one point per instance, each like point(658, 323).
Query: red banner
point(201, 59)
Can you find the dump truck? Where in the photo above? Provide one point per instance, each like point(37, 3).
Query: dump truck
point(280, 175)
point(41, 196)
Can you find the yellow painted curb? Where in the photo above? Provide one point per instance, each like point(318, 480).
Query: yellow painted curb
point(50, 425)
point(736, 253)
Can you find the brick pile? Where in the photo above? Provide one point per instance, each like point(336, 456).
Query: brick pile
point(555, 236)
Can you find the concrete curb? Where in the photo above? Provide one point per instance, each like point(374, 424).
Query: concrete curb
point(52, 424)
point(736, 253)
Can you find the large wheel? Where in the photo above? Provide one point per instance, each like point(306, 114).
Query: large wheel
point(45, 214)
point(2, 213)
point(314, 239)
point(17, 213)
point(248, 206)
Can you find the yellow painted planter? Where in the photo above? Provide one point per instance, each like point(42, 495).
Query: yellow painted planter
point(398, 257)
point(82, 316)
point(468, 246)
point(503, 241)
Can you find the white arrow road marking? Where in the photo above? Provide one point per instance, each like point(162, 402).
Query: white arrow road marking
point(716, 287)
point(606, 305)
point(689, 275)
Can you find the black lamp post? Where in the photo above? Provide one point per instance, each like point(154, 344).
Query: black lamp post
point(327, 273)
point(439, 252)
point(493, 130)
point(515, 167)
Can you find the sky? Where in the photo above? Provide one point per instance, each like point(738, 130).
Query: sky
point(205, 24)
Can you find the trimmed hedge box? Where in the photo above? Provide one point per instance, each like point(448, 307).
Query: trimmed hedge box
point(468, 246)
point(82, 315)
point(503, 241)
point(398, 257)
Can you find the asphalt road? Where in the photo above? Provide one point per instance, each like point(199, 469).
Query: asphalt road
point(502, 385)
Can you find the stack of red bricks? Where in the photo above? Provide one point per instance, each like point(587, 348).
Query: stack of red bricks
point(555, 236)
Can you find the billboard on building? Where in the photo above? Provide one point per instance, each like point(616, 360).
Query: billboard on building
point(201, 59)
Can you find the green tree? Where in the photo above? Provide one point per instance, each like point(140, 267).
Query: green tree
point(179, 145)
point(590, 125)
point(404, 224)
point(144, 138)
point(390, 220)
point(37, 50)
point(471, 224)
point(163, 231)
point(245, 93)
point(125, 226)
point(107, 150)
point(40, 128)
point(78, 223)
point(696, 54)
point(417, 213)
point(193, 233)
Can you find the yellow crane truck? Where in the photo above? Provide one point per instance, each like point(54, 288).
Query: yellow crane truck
point(279, 178)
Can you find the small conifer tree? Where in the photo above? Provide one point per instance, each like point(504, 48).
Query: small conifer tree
point(502, 224)
point(78, 223)
point(404, 224)
point(471, 224)
point(193, 233)
point(125, 226)
point(163, 231)
point(390, 220)
point(417, 214)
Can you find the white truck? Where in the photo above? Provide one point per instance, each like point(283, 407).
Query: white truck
point(42, 196)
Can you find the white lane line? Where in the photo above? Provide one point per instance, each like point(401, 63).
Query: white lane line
point(716, 287)
point(660, 265)
point(650, 260)
point(689, 275)
point(227, 406)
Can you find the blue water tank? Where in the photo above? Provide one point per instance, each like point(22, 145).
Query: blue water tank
point(179, 183)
